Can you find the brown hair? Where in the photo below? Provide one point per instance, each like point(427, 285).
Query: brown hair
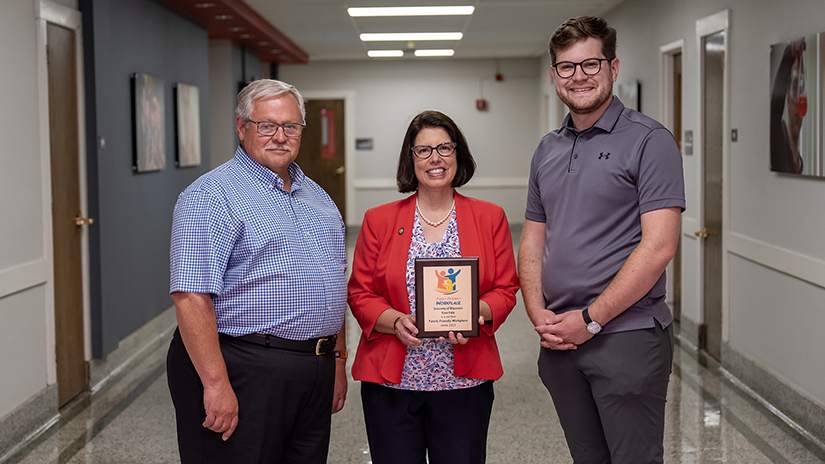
point(466, 165)
point(582, 27)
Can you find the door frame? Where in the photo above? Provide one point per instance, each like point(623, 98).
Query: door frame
point(51, 12)
point(709, 25)
point(666, 91)
point(349, 143)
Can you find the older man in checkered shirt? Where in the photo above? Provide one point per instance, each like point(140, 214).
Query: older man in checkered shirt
point(258, 276)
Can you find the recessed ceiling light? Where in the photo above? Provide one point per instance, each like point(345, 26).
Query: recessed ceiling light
point(442, 52)
point(223, 17)
point(263, 44)
point(204, 5)
point(414, 36)
point(385, 53)
point(412, 11)
point(235, 29)
point(244, 36)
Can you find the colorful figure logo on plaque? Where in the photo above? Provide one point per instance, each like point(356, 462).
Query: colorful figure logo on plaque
point(446, 281)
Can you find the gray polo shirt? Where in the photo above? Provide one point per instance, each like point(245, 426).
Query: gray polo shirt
point(590, 188)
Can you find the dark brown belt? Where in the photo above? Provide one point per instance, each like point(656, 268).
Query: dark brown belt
point(318, 346)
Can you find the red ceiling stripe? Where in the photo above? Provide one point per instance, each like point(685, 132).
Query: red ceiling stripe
point(244, 26)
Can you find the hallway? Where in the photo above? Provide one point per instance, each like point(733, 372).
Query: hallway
point(710, 418)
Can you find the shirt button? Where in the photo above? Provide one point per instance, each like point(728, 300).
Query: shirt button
point(576, 156)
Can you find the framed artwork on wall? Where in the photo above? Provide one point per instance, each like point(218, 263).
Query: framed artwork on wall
point(187, 126)
point(630, 93)
point(795, 110)
point(149, 144)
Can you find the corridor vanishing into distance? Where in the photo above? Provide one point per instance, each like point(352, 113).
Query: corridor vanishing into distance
point(710, 417)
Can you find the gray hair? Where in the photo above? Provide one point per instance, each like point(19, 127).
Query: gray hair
point(263, 89)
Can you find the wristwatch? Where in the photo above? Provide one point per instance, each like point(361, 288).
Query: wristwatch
point(592, 326)
point(340, 354)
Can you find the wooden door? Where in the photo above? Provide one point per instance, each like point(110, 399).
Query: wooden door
point(68, 281)
point(322, 155)
point(713, 75)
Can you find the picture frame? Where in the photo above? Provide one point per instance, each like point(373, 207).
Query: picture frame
point(187, 126)
point(148, 115)
point(446, 297)
point(630, 94)
point(796, 121)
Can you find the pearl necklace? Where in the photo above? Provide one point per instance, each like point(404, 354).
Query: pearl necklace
point(434, 224)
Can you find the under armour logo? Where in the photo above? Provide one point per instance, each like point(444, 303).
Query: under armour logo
point(604, 155)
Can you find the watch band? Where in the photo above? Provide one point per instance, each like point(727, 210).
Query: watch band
point(586, 316)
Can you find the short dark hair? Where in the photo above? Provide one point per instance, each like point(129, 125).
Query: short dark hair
point(466, 165)
point(582, 27)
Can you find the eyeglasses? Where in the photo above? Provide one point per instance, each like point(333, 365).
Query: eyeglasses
point(423, 151)
point(269, 129)
point(590, 67)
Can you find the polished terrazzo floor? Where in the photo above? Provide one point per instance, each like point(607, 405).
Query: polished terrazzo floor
point(710, 418)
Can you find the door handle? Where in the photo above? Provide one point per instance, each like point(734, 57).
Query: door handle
point(340, 170)
point(702, 233)
point(83, 221)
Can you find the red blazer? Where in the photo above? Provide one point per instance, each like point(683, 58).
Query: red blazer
point(378, 283)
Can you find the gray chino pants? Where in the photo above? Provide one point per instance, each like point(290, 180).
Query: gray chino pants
point(610, 395)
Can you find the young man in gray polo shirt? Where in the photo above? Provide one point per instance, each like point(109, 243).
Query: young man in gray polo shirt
point(605, 196)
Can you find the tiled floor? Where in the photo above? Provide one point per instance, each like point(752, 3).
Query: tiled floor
point(709, 418)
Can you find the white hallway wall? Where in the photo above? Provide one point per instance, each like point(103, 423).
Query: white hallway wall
point(25, 261)
point(775, 300)
point(388, 94)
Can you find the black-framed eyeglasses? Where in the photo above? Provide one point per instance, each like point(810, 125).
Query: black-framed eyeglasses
point(424, 151)
point(269, 129)
point(590, 67)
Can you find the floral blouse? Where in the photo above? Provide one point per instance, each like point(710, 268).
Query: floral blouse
point(429, 367)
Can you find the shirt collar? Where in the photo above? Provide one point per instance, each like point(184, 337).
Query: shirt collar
point(263, 174)
point(606, 122)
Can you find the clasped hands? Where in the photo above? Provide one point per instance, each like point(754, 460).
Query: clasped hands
point(406, 331)
point(563, 331)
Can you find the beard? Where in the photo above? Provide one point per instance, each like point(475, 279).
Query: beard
point(579, 106)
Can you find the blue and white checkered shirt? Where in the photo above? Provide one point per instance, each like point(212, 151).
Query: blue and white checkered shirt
point(274, 261)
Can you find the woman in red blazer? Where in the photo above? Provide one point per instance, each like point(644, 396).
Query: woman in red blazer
point(429, 397)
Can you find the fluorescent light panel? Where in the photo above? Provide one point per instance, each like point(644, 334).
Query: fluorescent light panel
point(411, 36)
point(385, 53)
point(412, 11)
point(433, 52)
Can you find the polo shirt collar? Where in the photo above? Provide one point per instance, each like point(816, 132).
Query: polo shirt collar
point(606, 122)
point(263, 174)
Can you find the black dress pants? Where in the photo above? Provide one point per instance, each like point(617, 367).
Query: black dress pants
point(448, 427)
point(284, 402)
